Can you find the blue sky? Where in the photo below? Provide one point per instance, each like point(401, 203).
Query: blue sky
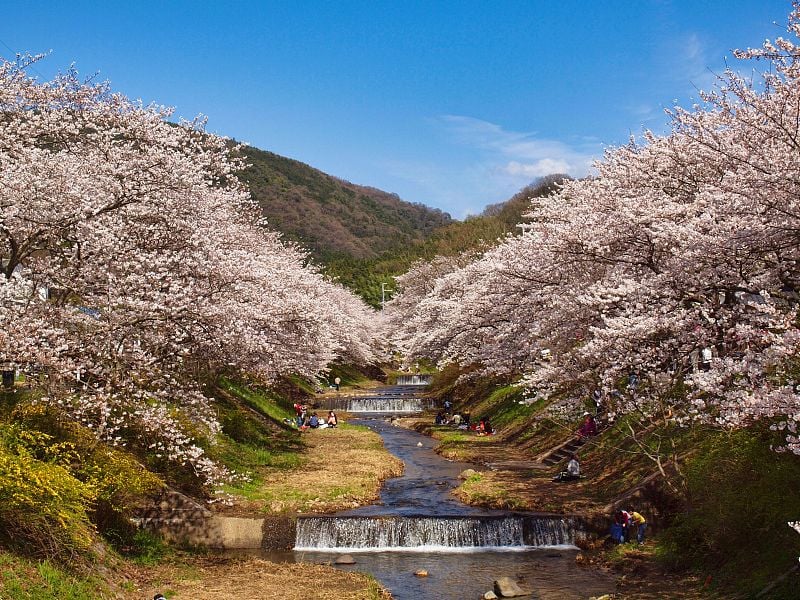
point(452, 104)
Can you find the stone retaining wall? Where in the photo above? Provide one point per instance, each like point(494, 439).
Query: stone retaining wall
point(183, 520)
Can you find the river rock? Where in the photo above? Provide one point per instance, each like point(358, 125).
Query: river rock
point(344, 559)
point(421, 573)
point(419, 444)
point(490, 596)
point(467, 473)
point(505, 587)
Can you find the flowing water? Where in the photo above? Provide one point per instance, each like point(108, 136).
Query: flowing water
point(550, 574)
point(427, 480)
point(418, 524)
point(385, 404)
point(398, 399)
point(414, 380)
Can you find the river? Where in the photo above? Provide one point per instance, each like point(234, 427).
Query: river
point(419, 525)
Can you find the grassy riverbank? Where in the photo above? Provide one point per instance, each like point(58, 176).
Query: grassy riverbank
point(183, 576)
point(286, 472)
point(338, 468)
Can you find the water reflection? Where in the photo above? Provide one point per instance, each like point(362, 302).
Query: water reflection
point(553, 575)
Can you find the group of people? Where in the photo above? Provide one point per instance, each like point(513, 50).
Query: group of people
point(624, 525)
point(306, 421)
point(462, 420)
point(482, 427)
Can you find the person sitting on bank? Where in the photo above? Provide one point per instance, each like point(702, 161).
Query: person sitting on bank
point(313, 422)
point(573, 471)
point(588, 427)
point(484, 427)
point(333, 421)
point(439, 420)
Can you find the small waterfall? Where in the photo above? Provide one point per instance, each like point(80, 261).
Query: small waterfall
point(551, 531)
point(392, 405)
point(431, 534)
point(414, 379)
point(374, 404)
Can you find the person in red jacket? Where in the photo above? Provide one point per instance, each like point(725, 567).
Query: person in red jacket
point(619, 528)
point(588, 427)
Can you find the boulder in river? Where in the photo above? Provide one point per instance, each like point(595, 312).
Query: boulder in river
point(490, 596)
point(344, 559)
point(467, 473)
point(505, 587)
point(421, 573)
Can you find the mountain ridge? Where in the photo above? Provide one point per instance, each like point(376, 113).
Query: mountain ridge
point(363, 236)
point(330, 216)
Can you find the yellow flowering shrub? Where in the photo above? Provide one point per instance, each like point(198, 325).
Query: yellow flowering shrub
point(43, 507)
point(59, 485)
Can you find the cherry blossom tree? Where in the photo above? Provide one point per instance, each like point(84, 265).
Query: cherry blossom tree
point(678, 263)
point(133, 262)
point(401, 319)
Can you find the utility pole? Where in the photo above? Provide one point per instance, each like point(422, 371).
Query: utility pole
point(383, 294)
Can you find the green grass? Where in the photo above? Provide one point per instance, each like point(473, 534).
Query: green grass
point(740, 496)
point(504, 408)
point(148, 549)
point(250, 443)
point(448, 436)
point(476, 490)
point(264, 401)
point(348, 374)
point(306, 386)
point(252, 461)
point(375, 589)
point(22, 579)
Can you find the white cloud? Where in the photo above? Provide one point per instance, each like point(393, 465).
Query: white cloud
point(546, 166)
point(689, 61)
point(489, 165)
point(521, 155)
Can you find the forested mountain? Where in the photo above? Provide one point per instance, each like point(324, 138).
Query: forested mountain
point(364, 236)
point(331, 217)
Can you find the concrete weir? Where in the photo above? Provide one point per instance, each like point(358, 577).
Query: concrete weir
point(360, 534)
point(435, 533)
point(184, 520)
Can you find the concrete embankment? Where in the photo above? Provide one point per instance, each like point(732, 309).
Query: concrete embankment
point(182, 519)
